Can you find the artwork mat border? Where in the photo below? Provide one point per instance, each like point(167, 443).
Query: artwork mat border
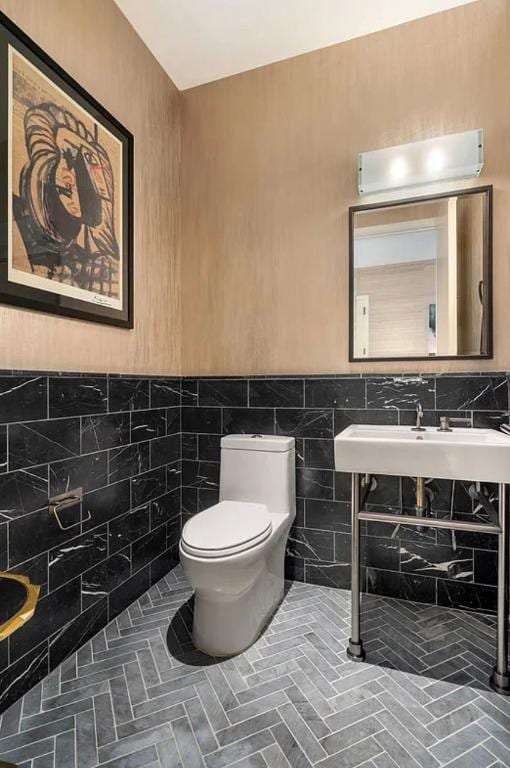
point(82, 310)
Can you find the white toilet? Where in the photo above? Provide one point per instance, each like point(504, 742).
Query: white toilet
point(233, 553)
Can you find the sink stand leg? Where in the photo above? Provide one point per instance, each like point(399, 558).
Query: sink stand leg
point(500, 678)
point(355, 650)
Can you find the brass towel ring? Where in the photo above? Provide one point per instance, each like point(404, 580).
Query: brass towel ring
point(26, 611)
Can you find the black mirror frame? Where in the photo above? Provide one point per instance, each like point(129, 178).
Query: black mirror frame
point(488, 191)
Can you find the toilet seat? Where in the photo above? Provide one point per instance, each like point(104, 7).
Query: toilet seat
point(226, 529)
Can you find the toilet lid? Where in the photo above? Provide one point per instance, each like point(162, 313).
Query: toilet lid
point(226, 528)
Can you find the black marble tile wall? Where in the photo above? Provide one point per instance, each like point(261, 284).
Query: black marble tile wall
point(119, 439)
point(428, 566)
point(146, 451)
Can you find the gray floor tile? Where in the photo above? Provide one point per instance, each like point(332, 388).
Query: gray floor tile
point(303, 734)
point(239, 750)
point(274, 757)
point(289, 746)
point(454, 745)
point(86, 740)
point(475, 758)
point(454, 721)
point(292, 700)
point(202, 730)
point(187, 743)
point(353, 756)
point(150, 721)
point(65, 750)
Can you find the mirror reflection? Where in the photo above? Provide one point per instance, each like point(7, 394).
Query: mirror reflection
point(420, 278)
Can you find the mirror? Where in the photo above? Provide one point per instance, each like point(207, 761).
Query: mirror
point(420, 278)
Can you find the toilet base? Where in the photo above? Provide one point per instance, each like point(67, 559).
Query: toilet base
point(226, 626)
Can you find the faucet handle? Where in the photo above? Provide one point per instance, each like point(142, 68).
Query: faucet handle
point(445, 422)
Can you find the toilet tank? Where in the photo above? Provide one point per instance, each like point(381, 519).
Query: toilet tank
point(260, 469)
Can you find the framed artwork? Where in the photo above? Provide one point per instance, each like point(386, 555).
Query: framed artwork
point(66, 192)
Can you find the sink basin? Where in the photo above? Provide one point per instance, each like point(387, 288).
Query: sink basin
point(462, 454)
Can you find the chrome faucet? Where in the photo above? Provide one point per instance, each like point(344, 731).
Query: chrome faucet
point(419, 419)
point(445, 422)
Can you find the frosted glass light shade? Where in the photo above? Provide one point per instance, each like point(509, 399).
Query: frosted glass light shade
point(445, 158)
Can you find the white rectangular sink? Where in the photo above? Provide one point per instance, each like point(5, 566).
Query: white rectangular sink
point(462, 454)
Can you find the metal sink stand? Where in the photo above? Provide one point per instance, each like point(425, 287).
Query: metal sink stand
point(500, 678)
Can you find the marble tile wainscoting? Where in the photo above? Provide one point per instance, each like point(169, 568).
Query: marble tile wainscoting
point(423, 566)
point(125, 440)
point(118, 438)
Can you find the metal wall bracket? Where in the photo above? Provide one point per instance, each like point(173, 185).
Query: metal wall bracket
point(500, 678)
point(65, 500)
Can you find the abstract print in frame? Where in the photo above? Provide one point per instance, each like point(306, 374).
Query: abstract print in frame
point(68, 199)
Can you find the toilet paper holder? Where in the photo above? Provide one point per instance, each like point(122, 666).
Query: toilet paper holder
point(65, 500)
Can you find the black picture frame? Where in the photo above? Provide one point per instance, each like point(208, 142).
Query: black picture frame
point(35, 298)
point(488, 270)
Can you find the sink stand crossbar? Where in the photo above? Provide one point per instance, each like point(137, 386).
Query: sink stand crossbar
point(500, 678)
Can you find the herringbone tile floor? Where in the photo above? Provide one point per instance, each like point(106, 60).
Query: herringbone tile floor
point(139, 695)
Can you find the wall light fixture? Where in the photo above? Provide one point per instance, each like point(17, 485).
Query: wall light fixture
point(444, 158)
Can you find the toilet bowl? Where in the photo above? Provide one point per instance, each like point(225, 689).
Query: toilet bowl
point(233, 553)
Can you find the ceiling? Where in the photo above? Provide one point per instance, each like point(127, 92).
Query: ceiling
point(197, 41)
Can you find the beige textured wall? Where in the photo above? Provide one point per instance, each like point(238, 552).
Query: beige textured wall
point(94, 42)
point(269, 171)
